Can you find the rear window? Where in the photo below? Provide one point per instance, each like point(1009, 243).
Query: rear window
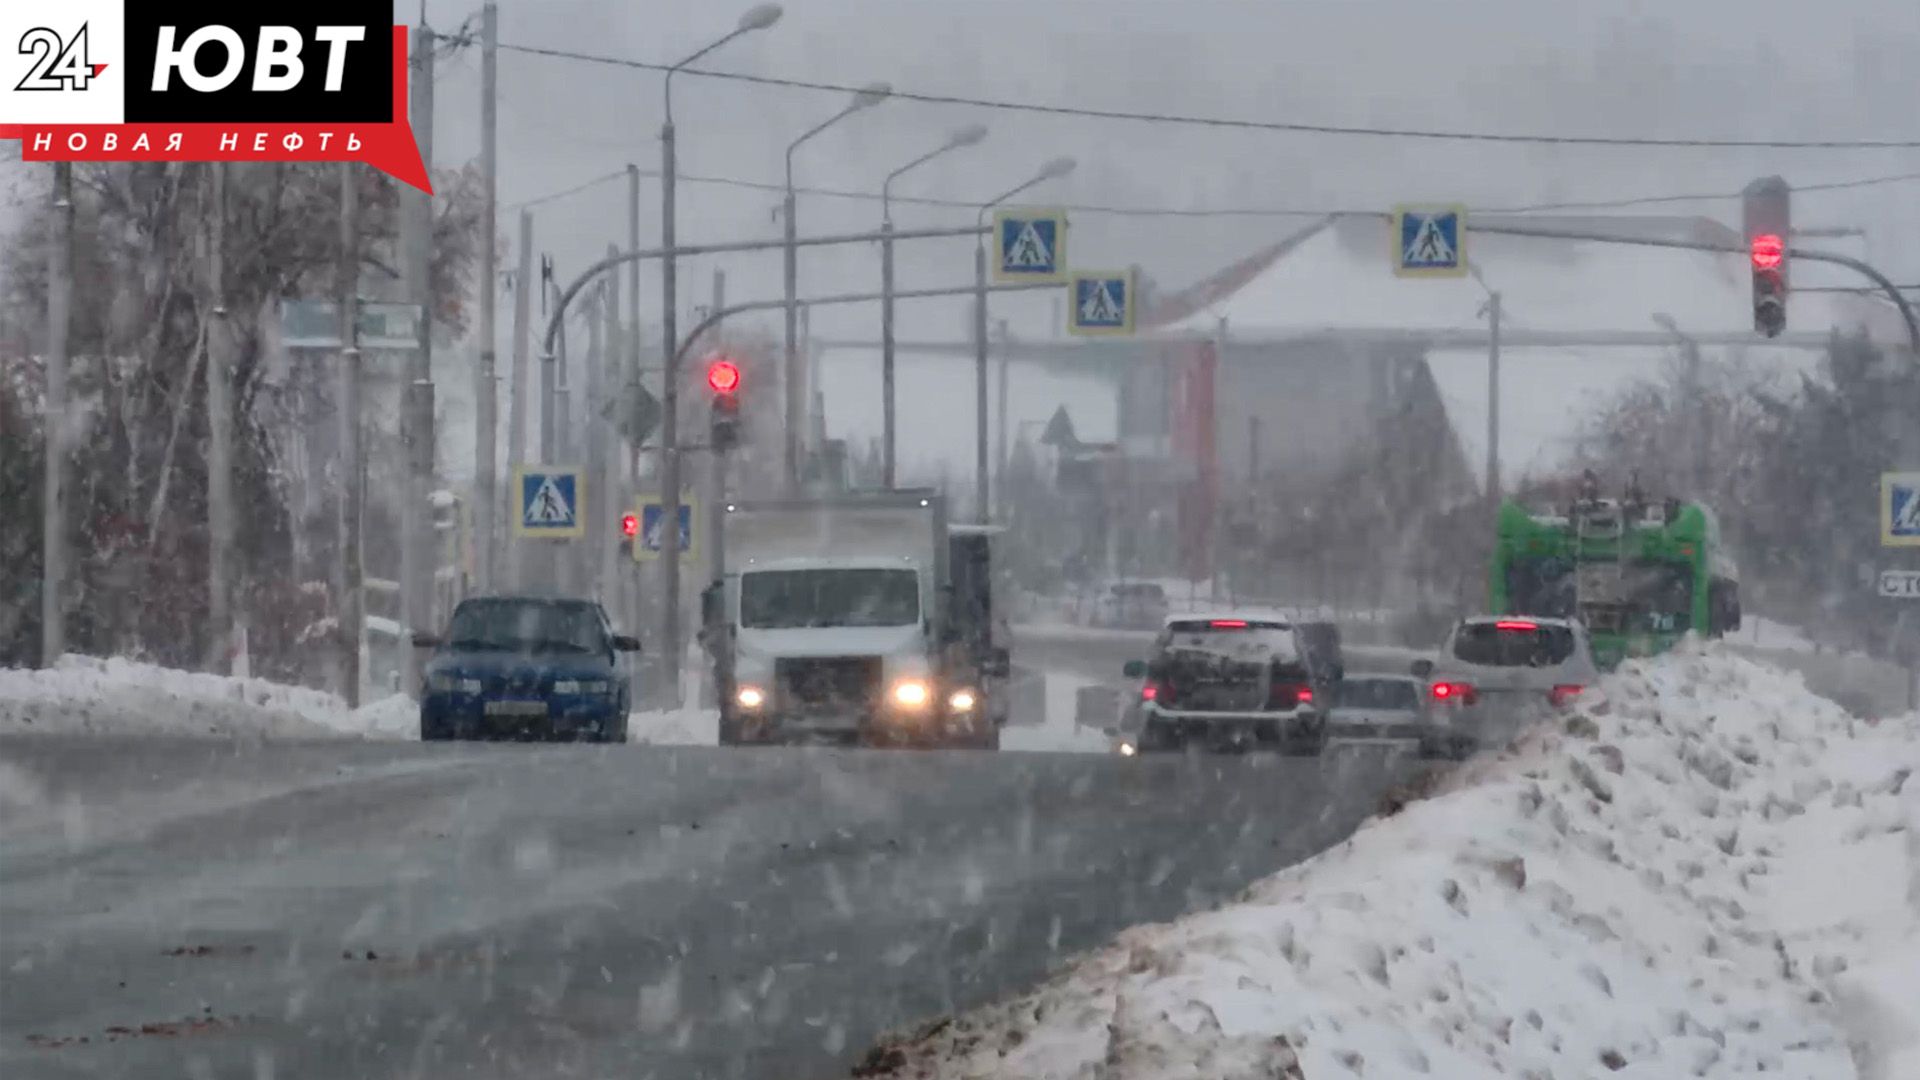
point(1378, 694)
point(1238, 638)
point(1513, 644)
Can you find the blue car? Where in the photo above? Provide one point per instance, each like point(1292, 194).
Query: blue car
point(526, 668)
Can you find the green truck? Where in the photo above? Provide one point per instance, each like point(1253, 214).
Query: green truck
point(1640, 574)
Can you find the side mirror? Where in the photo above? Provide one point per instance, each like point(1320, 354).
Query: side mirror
point(999, 664)
point(1135, 669)
point(626, 643)
point(1338, 671)
point(425, 641)
point(1422, 669)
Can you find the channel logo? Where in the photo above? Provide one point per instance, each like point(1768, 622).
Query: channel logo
point(134, 80)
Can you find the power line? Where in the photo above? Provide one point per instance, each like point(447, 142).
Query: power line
point(1201, 212)
point(1235, 123)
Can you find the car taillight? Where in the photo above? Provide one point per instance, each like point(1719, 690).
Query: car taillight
point(1288, 695)
point(1149, 692)
point(1453, 693)
point(1563, 696)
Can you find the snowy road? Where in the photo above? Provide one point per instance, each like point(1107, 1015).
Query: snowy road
point(364, 909)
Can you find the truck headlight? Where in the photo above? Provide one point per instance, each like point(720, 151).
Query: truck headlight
point(961, 701)
point(580, 686)
point(911, 694)
point(750, 697)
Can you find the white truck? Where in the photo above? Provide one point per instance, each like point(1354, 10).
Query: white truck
point(836, 619)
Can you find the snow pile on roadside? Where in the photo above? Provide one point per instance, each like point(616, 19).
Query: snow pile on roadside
point(1708, 872)
point(85, 694)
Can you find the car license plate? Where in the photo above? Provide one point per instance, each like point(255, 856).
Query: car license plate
point(516, 708)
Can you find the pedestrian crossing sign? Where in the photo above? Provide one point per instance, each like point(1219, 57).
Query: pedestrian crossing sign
point(1103, 303)
point(1900, 509)
point(1029, 245)
point(550, 502)
point(1429, 241)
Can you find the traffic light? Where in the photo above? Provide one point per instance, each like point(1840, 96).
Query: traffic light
point(1767, 219)
point(723, 378)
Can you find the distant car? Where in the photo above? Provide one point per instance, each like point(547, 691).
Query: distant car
point(1131, 605)
point(1394, 708)
point(1321, 640)
point(1225, 682)
point(525, 667)
point(1497, 673)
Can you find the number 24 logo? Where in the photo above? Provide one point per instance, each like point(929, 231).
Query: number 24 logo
point(57, 64)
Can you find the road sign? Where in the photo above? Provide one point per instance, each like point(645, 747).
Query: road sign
point(1900, 509)
point(1103, 302)
point(551, 501)
point(1900, 584)
point(635, 413)
point(1029, 245)
point(1430, 241)
point(315, 324)
point(652, 514)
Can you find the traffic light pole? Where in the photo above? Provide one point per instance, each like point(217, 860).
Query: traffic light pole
point(1865, 270)
point(670, 472)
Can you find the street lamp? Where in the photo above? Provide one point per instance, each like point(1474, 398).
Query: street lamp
point(1052, 170)
point(971, 135)
point(865, 98)
point(758, 17)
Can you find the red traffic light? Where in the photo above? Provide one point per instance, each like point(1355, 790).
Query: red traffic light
point(630, 525)
point(723, 376)
point(1768, 251)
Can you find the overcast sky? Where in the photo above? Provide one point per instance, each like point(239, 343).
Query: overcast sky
point(1702, 68)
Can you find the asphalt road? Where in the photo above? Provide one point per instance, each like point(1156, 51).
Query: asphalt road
point(200, 909)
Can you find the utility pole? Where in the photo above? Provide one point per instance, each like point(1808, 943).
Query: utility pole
point(353, 597)
point(1493, 399)
point(886, 348)
point(53, 421)
point(983, 512)
point(549, 361)
point(522, 347)
point(790, 378)
point(1005, 365)
point(668, 666)
point(417, 434)
point(486, 409)
point(219, 434)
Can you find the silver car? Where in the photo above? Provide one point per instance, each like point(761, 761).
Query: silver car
point(1496, 674)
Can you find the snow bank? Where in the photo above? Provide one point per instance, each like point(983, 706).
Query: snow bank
point(85, 694)
point(1708, 872)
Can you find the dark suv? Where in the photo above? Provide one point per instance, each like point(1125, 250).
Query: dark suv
point(528, 668)
point(1227, 682)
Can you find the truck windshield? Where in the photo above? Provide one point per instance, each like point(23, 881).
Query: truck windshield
point(784, 599)
point(525, 626)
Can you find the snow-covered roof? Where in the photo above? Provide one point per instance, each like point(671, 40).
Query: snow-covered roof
point(1341, 277)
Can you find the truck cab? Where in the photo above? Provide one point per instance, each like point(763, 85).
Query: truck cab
point(835, 620)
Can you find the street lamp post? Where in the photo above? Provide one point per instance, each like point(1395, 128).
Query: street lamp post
point(756, 18)
point(1058, 167)
point(866, 97)
point(966, 136)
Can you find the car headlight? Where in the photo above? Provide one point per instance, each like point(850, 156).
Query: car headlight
point(911, 694)
point(581, 686)
point(750, 697)
point(451, 684)
point(1127, 749)
point(961, 701)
